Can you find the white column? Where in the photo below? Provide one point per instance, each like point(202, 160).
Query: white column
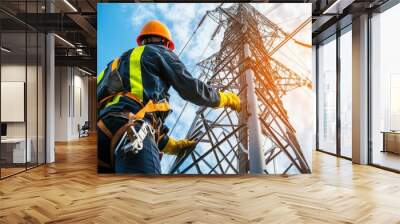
point(360, 90)
point(50, 93)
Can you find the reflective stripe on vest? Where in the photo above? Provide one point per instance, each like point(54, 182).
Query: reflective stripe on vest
point(114, 101)
point(100, 77)
point(114, 64)
point(135, 72)
point(135, 75)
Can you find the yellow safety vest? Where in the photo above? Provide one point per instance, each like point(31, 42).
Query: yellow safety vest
point(135, 75)
point(136, 91)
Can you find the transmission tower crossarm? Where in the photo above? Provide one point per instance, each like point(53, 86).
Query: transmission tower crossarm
point(290, 36)
point(288, 78)
point(277, 28)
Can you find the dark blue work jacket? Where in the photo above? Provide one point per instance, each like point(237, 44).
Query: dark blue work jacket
point(148, 72)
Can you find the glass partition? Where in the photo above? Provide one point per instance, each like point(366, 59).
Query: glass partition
point(385, 89)
point(327, 95)
point(13, 94)
point(22, 88)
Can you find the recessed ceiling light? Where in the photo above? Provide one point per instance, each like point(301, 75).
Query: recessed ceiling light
point(70, 5)
point(338, 6)
point(84, 71)
point(64, 40)
point(5, 50)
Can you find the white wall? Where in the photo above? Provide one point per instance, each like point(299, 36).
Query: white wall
point(33, 127)
point(12, 73)
point(61, 103)
point(71, 102)
point(80, 110)
point(16, 73)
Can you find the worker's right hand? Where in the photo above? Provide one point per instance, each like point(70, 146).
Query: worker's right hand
point(230, 100)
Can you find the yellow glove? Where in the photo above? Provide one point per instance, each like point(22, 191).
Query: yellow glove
point(230, 100)
point(173, 147)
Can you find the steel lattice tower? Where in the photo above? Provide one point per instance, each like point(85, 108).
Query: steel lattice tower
point(260, 138)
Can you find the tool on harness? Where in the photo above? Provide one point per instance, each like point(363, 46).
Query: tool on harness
point(132, 140)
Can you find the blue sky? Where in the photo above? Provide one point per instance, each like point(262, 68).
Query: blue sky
point(115, 34)
point(120, 23)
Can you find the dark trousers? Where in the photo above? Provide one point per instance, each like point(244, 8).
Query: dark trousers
point(147, 161)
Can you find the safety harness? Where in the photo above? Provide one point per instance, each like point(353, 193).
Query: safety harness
point(128, 138)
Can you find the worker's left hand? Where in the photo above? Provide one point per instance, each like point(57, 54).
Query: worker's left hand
point(173, 146)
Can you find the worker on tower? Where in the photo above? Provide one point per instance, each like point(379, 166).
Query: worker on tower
point(132, 96)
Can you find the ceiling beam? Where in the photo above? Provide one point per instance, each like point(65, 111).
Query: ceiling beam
point(86, 27)
point(338, 6)
point(81, 61)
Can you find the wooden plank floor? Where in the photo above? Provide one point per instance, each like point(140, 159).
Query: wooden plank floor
point(70, 191)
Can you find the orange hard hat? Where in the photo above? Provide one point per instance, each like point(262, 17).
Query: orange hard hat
point(157, 28)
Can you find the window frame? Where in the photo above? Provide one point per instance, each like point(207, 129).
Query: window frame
point(334, 37)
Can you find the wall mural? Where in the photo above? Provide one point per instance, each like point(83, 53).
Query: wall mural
point(206, 89)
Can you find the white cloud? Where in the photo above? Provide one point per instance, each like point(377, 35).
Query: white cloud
point(141, 13)
point(163, 8)
point(300, 104)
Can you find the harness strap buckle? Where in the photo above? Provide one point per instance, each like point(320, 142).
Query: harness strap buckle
point(132, 140)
